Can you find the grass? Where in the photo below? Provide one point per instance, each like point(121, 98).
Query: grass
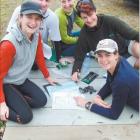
point(112, 7)
point(2, 129)
point(6, 10)
point(2, 124)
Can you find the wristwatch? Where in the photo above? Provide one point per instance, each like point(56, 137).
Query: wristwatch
point(88, 105)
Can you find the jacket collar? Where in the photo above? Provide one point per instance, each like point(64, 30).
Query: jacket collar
point(19, 35)
point(99, 23)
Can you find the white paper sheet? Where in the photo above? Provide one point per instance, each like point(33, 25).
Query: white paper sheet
point(65, 100)
point(63, 96)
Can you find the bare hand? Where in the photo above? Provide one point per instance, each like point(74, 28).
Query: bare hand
point(52, 82)
point(75, 76)
point(80, 101)
point(4, 111)
point(98, 100)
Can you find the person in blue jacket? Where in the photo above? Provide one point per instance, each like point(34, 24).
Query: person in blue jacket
point(122, 82)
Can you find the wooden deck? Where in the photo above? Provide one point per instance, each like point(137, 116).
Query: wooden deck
point(48, 117)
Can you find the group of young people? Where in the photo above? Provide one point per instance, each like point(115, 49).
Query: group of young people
point(26, 43)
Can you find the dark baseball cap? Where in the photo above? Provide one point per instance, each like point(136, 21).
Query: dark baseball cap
point(31, 7)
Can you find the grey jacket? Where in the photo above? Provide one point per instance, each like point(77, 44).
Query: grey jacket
point(25, 55)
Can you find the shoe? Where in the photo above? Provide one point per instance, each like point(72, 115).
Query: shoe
point(67, 59)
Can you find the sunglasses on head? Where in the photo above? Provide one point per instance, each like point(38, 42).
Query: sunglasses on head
point(86, 2)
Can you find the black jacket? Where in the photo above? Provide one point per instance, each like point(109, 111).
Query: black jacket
point(107, 27)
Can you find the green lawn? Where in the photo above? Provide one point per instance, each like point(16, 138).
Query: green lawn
point(2, 129)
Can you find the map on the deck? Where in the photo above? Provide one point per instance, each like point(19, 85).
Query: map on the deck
point(63, 96)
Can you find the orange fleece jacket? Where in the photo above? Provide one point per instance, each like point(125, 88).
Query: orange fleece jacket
point(7, 53)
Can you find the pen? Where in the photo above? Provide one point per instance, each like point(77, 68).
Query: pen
point(58, 84)
point(78, 75)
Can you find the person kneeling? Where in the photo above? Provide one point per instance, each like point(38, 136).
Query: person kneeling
point(18, 50)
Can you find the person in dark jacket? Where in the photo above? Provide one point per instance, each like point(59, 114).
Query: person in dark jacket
point(122, 82)
point(98, 27)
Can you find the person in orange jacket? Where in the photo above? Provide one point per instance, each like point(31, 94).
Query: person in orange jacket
point(18, 51)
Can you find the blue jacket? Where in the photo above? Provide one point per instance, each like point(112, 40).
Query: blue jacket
point(124, 87)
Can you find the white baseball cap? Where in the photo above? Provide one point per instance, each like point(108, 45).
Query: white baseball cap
point(107, 45)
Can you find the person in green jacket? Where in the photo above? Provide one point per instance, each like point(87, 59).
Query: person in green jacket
point(67, 17)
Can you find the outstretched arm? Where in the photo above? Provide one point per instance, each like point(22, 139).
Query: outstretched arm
point(7, 53)
point(40, 60)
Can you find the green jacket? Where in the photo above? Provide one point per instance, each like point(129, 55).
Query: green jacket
point(66, 25)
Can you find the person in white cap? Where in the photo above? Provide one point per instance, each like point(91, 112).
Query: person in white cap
point(49, 27)
point(122, 82)
point(18, 50)
point(98, 27)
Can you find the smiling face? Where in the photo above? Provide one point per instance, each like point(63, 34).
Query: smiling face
point(67, 5)
point(30, 23)
point(107, 60)
point(89, 19)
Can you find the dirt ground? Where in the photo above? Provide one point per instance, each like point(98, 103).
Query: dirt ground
point(120, 9)
point(117, 8)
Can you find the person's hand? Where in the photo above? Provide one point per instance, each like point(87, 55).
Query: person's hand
point(80, 101)
point(98, 100)
point(136, 65)
point(75, 76)
point(4, 111)
point(52, 82)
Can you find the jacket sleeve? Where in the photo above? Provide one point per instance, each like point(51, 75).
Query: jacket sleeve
point(79, 21)
point(119, 100)
point(80, 52)
point(40, 60)
point(63, 28)
point(7, 53)
point(105, 91)
point(123, 28)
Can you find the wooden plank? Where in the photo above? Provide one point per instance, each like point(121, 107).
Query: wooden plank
point(49, 117)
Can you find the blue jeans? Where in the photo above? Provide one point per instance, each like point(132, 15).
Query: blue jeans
point(69, 49)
